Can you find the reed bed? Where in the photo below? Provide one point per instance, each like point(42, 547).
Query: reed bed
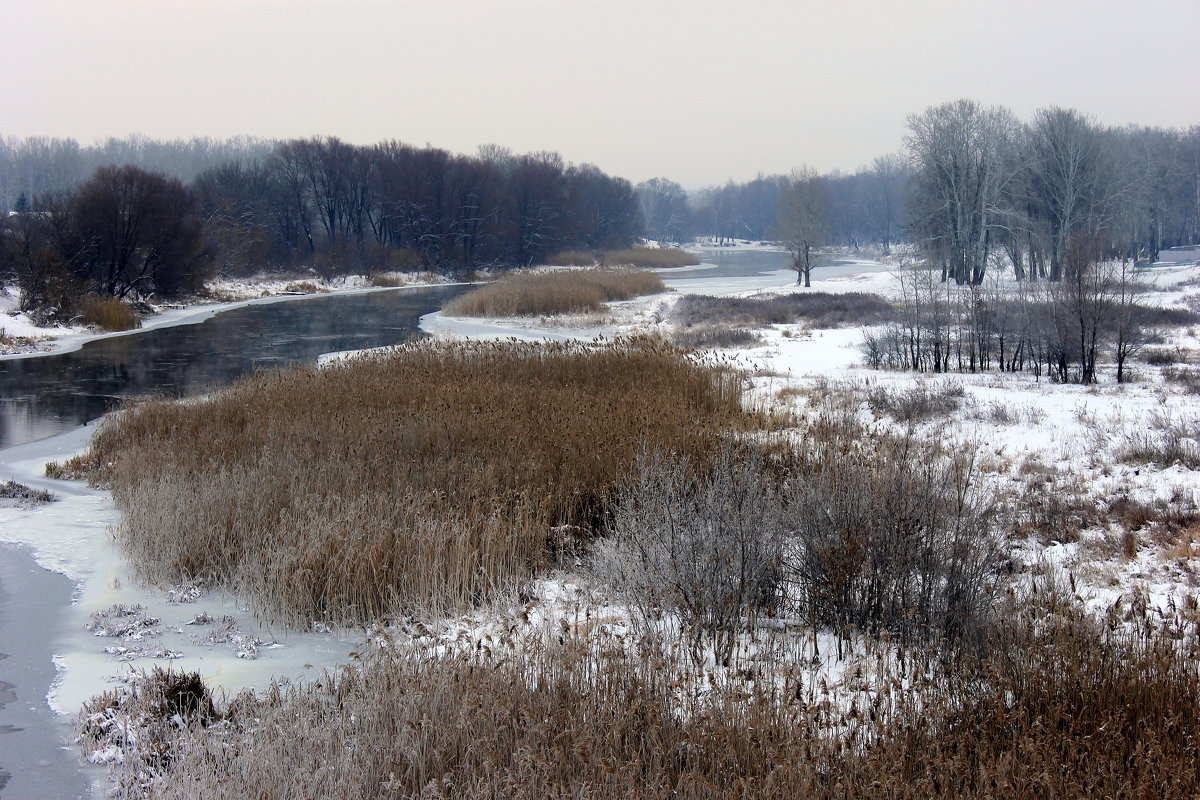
point(1058, 710)
point(423, 479)
point(650, 257)
point(108, 313)
point(571, 258)
point(557, 292)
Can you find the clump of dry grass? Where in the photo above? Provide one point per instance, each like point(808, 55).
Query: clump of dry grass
point(108, 313)
point(571, 258)
point(556, 292)
point(651, 257)
point(421, 479)
point(1059, 711)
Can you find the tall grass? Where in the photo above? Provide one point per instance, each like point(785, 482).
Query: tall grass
point(1061, 712)
point(571, 258)
point(422, 479)
point(108, 313)
point(557, 292)
point(652, 257)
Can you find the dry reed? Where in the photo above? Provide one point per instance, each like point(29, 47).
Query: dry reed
point(422, 479)
point(651, 257)
point(556, 292)
point(108, 313)
point(1059, 711)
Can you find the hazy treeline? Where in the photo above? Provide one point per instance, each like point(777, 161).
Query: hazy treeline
point(37, 166)
point(971, 185)
point(245, 205)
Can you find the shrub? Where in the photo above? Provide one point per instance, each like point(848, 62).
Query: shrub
point(707, 544)
point(817, 309)
point(651, 257)
point(571, 258)
point(423, 479)
point(918, 403)
point(1186, 378)
point(702, 336)
point(1163, 356)
point(555, 292)
point(108, 313)
point(1164, 440)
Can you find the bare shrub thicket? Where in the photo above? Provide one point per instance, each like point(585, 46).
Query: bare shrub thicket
point(1162, 439)
point(701, 336)
point(1064, 329)
point(816, 309)
point(917, 403)
point(556, 292)
point(651, 257)
point(707, 545)
point(849, 532)
point(1057, 710)
point(420, 479)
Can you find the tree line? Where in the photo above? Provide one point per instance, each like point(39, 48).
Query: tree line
point(130, 231)
point(973, 186)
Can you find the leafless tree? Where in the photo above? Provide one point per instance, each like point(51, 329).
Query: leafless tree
point(803, 220)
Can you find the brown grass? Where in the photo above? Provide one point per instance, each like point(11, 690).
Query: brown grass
point(108, 313)
point(652, 257)
point(571, 258)
point(423, 479)
point(1062, 712)
point(555, 292)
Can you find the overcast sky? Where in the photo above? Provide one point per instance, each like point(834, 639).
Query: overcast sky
point(695, 90)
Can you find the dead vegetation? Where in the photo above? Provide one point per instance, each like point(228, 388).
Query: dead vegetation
point(1056, 709)
point(650, 257)
point(554, 292)
point(815, 309)
point(429, 478)
point(109, 313)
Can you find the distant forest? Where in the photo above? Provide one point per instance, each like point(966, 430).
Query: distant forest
point(973, 186)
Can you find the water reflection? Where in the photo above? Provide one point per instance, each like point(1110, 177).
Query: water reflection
point(43, 396)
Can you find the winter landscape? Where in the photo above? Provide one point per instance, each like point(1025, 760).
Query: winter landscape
point(338, 466)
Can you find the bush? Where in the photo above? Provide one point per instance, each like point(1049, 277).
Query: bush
point(714, 336)
point(555, 292)
point(571, 258)
point(1164, 440)
point(817, 309)
point(708, 545)
point(652, 257)
point(918, 403)
point(423, 479)
point(1163, 356)
point(108, 313)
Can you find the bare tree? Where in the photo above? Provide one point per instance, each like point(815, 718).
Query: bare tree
point(803, 220)
point(965, 161)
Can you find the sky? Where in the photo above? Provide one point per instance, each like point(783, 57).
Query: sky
point(698, 91)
